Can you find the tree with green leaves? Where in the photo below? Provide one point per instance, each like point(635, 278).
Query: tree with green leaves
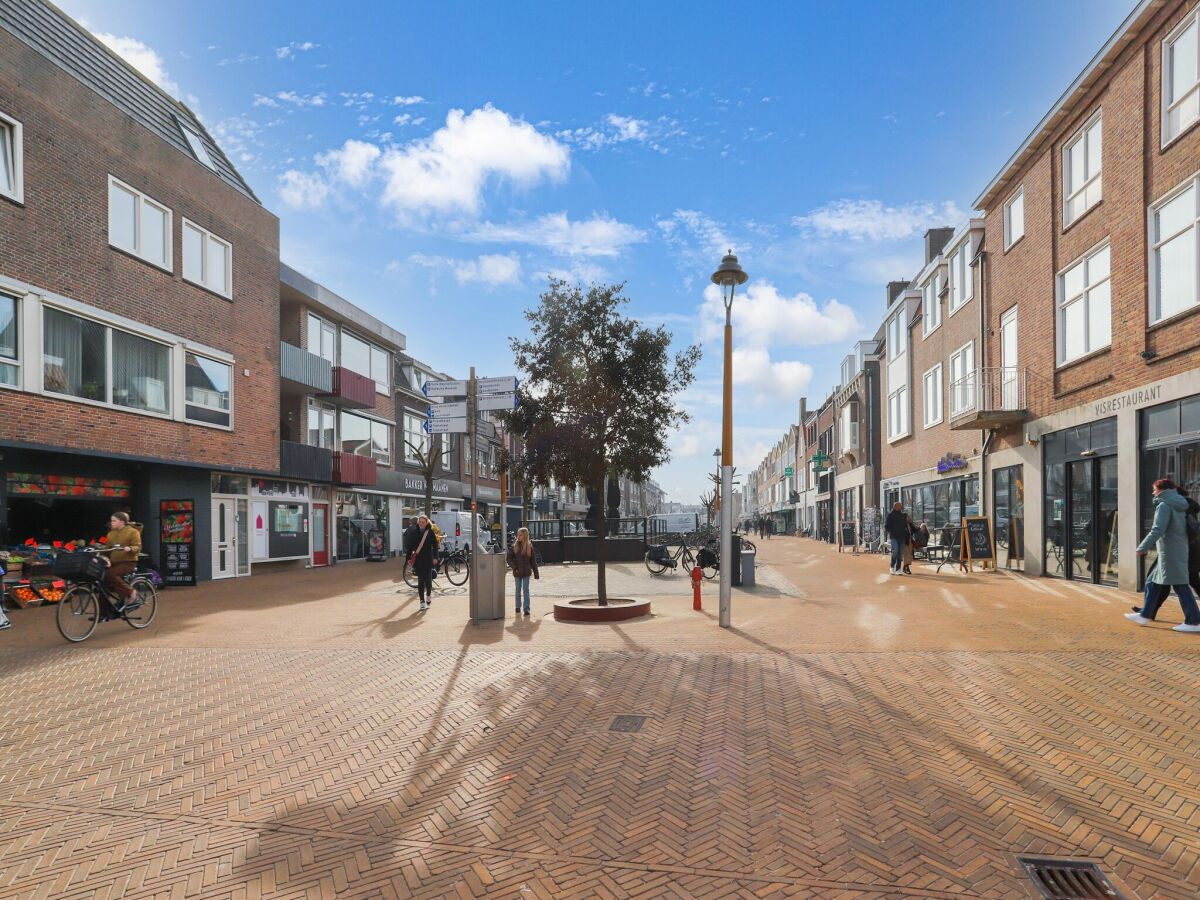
point(599, 393)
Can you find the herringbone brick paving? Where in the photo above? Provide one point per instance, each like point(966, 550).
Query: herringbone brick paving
point(439, 759)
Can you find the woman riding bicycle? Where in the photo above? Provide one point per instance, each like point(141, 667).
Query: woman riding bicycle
point(121, 562)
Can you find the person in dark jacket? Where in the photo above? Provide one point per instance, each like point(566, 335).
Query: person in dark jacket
point(420, 550)
point(896, 527)
point(1193, 510)
point(1168, 534)
point(523, 562)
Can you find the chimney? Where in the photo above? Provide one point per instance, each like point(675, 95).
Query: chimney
point(894, 290)
point(935, 240)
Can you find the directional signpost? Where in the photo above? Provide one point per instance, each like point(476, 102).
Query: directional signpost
point(505, 385)
point(444, 389)
point(498, 401)
point(445, 426)
point(455, 410)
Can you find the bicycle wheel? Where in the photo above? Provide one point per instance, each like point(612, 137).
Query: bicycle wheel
point(456, 569)
point(143, 614)
point(410, 575)
point(78, 613)
point(687, 561)
point(656, 567)
point(710, 572)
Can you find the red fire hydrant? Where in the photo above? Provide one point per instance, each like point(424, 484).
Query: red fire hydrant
point(696, 575)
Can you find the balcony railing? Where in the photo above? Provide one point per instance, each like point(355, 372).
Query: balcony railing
point(350, 468)
point(305, 462)
point(351, 389)
point(988, 398)
point(307, 369)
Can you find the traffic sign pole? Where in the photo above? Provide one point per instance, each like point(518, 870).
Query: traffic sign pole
point(474, 557)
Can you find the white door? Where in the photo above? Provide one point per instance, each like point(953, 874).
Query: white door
point(1010, 392)
point(224, 537)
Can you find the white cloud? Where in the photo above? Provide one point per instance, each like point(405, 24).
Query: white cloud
point(769, 381)
point(601, 235)
point(696, 234)
point(352, 163)
point(617, 129)
point(447, 172)
point(293, 48)
point(491, 269)
point(873, 220)
point(300, 100)
point(407, 101)
point(143, 58)
point(763, 317)
point(302, 190)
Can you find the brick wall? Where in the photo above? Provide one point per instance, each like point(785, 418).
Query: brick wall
point(58, 241)
point(1136, 172)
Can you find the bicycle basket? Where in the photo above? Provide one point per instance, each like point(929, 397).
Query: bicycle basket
point(79, 566)
point(658, 554)
point(706, 559)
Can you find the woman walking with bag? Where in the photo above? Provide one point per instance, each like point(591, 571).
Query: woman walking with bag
point(523, 562)
point(1169, 535)
point(420, 543)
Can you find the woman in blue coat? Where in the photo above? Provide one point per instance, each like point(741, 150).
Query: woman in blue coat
point(1169, 535)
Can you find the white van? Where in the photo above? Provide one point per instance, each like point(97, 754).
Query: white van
point(673, 523)
point(456, 529)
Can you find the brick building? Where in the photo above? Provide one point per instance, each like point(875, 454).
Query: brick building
point(856, 434)
point(138, 299)
point(1091, 380)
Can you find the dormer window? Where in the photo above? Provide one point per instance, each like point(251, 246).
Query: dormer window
point(197, 146)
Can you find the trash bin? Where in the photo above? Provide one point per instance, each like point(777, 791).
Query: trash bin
point(488, 570)
point(735, 554)
point(747, 568)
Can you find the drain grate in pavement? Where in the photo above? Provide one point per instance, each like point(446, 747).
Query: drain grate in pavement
point(1068, 879)
point(627, 723)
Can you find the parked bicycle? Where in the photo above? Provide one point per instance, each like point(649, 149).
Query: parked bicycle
point(691, 553)
point(454, 564)
point(82, 607)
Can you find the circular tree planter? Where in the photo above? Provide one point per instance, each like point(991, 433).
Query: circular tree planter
point(619, 609)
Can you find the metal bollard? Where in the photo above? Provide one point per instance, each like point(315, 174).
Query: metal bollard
point(696, 576)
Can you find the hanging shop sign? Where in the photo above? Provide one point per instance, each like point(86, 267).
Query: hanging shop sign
point(951, 462)
point(27, 484)
point(177, 534)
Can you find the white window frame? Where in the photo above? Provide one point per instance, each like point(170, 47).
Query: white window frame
point(15, 364)
point(232, 385)
point(1009, 240)
point(935, 370)
point(324, 328)
point(426, 438)
point(931, 323)
point(1060, 303)
point(1155, 245)
point(966, 351)
point(17, 133)
point(139, 248)
point(900, 396)
point(1168, 105)
point(962, 282)
point(204, 267)
point(897, 335)
point(1070, 191)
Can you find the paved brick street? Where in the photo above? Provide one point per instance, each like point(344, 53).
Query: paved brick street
point(313, 734)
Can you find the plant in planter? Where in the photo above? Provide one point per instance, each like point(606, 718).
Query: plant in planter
point(599, 394)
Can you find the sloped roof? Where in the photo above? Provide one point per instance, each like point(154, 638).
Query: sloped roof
point(60, 39)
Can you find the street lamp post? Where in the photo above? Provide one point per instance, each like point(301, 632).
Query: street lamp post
point(727, 277)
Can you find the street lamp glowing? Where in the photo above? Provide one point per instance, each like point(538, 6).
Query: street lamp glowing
point(727, 277)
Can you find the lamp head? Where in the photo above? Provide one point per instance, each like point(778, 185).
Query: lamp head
point(729, 273)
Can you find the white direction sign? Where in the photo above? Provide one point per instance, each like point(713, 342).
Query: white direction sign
point(497, 401)
point(456, 410)
point(444, 389)
point(505, 385)
point(445, 426)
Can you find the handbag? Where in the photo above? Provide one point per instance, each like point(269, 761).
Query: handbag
point(413, 559)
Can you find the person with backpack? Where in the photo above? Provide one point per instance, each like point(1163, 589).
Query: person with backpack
point(1169, 534)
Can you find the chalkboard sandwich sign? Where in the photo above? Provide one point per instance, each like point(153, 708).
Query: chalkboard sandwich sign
point(977, 543)
point(846, 536)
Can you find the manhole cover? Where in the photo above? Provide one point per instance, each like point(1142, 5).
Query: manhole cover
point(627, 723)
point(1068, 879)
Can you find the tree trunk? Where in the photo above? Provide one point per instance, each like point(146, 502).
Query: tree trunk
point(601, 527)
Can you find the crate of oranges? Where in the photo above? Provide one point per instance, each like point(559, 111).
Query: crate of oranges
point(26, 594)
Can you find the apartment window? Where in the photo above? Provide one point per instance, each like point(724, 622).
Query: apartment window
point(415, 438)
point(1014, 218)
point(1081, 171)
point(447, 441)
point(367, 359)
point(1085, 306)
point(897, 336)
point(483, 457)
point(208, 391)
point(366, 437)
point(961, 288)
point(141, 373)
point(322, 339)
point(932, 396)
point(12, 153)
point(322, 426)
point(1181, 78)
point(931, 307)
point(9, 342)
point(138, 224)
point(381, 369)
point(207, 260)
point(197, 146)
point(962, 379)
point(1175, 253)
point(898, 413)
point(847, 370)
point(419, 378)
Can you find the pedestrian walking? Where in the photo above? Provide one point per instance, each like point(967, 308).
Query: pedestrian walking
point(523, 562)
point(909, 544)
point(420, 549)
point(4, 623)
point(1169, 535)
point(896, 526)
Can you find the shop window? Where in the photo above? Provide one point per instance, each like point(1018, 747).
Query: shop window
point(1160, 422)
point(209, 386)
point(1175, 285)
point(228, 484)
point(75, 356)
point(207, 259)
point(9, 341)
point(139, 225)
point(1085, 306)
point(141, 373)
point(11, 159)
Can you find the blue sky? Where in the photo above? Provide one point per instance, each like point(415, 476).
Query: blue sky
point(434, 162)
